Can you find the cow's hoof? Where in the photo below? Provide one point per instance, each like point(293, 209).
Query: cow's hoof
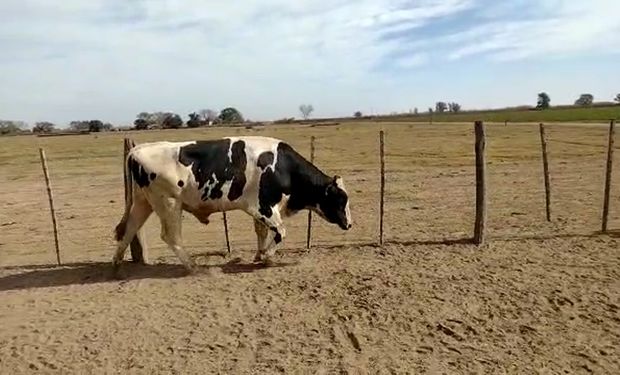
point(268, 262)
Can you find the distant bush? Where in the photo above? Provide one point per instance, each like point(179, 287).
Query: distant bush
point(286, 120)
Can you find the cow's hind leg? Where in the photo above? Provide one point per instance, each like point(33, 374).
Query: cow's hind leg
point(129, 226)
point(170, 212)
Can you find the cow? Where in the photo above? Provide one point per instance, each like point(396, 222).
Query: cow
point(262, 176)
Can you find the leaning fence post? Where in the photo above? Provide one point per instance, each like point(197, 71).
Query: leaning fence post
point(481, 201)
point(382, 201)
point(610, 160)
point(138, 244)
point(226, 231)
point(310, 212)
point(50, 197)
point(543, 142)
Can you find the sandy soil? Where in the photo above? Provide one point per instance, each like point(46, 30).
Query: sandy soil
point(539, 298)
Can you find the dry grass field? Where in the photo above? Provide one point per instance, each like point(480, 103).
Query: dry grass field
point(538, 298)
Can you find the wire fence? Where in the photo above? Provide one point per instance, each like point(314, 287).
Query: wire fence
point(430, 186)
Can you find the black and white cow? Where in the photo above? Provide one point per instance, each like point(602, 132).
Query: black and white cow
point(264, 177)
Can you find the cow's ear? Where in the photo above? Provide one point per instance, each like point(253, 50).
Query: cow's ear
point(336, 178)
point(331, 187)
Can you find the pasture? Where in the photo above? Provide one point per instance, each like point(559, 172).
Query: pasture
point(539, 297)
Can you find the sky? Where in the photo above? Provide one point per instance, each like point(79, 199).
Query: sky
point(111, 59)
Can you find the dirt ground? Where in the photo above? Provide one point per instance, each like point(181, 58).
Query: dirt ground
point(538, 298)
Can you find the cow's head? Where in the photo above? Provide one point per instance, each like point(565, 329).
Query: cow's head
point(334, 205)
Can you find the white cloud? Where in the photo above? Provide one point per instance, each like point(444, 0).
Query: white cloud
point(412, 61)
point(569, 28)
point(111, 59)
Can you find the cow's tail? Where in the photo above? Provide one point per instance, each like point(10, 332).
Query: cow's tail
point(138, 176)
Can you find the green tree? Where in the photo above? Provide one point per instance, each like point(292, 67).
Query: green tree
point(141, 124)
point(617, 98)
point(441, 107)
point(357, 114)
point(585, 100)
point(172, 121)
point(194, 120)
point(230, 115)
point(95, 126)
point(543, 100)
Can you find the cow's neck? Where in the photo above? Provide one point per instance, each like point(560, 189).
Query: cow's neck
point(308, 185)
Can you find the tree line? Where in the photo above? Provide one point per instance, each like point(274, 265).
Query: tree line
point(231, 115)
point(584, 100)
point(203, 117)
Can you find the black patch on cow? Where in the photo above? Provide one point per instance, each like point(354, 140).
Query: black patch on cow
point(210, 158)
point(139, 174)
point(265, 159)
point(239, 163)
point(277, 238)
point(181, 183)
point(216, 192)
point(153, 176)
point(294, 176)
point(269, 192)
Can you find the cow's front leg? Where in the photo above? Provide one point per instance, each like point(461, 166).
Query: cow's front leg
point(262, 236)
point(264, 224)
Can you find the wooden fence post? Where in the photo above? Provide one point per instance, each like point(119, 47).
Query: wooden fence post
point(310, 212)
point(481, 201)
point(381, 207)
point(610, 160)
point(226, 231)
point(50, 197)
point(138, 244)
point(543, 142)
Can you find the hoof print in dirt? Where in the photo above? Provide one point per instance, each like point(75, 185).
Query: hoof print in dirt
point(354, 341)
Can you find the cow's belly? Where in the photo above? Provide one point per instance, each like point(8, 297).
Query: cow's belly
point(202, 209)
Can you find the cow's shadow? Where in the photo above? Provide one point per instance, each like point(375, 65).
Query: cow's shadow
point(46, 276)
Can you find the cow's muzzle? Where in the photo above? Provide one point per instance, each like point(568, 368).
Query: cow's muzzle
point(345, 226)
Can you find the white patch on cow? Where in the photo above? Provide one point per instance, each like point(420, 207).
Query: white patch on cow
point(209, 186)
point(230, 151)
point(255, 146)
point(347, 211)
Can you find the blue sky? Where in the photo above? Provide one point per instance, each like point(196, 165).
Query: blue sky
point(111, 59)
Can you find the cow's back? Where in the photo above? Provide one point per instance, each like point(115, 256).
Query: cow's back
point(157, 162)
